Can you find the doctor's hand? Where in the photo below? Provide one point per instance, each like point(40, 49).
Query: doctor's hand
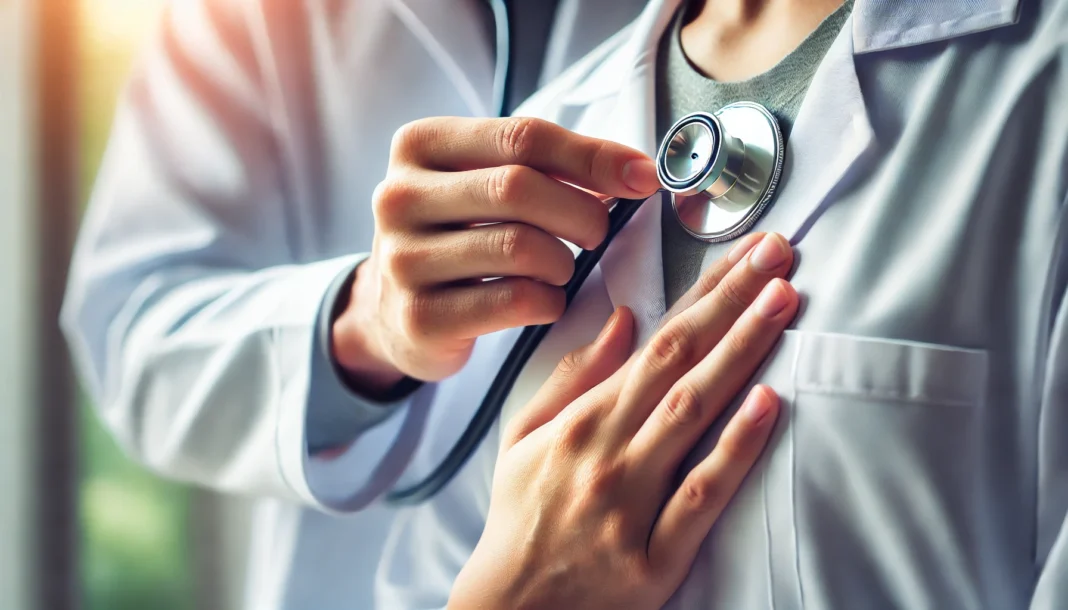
point(466, 242)
point(586, 509)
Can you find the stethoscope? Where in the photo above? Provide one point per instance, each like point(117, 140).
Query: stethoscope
point(721, 170)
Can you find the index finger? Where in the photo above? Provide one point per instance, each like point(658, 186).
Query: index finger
point(688, 338)
point(460, 144)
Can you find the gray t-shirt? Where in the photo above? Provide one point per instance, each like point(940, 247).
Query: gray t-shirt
point(682, 89)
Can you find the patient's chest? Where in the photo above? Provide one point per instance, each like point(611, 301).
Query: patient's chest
point(901, 473)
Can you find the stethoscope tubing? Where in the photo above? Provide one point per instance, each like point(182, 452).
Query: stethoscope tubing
point(503, 74)
point(529, 340)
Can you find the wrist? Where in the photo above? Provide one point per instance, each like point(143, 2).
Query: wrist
point(493, 581)
point(352, 345)
point(362, 369)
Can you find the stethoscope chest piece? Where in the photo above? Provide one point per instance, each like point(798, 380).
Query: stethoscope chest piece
point(722, 169)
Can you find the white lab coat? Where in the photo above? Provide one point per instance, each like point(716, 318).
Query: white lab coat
point(921, 459)
point(235, 189)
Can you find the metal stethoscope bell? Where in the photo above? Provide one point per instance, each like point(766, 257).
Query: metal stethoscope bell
point(721, 169)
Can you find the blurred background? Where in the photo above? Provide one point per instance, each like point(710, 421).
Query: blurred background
point(80, 525)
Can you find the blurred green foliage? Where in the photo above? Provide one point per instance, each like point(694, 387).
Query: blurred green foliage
point(135, 551)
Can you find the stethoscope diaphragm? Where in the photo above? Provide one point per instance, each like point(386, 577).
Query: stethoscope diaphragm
point(721, 169)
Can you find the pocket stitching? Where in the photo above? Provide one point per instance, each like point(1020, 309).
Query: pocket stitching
point(826, 390)
point(810, 378)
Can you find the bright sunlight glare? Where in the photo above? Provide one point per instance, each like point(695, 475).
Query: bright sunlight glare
point(119, 22)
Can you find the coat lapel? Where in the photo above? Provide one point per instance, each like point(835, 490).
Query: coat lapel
point(833, 127)
point(455, 35)
point(632, 266)
point(834, 131)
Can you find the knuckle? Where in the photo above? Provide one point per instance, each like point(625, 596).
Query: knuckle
point(509, 184)
point(407, 137)
point(601, 478)
point(575, 432)
point(701, 494)
point(571, 363)
point(391, 198)
point(738, 342)
point(516, 139)
point(514, 297)
point(708, 280)
point(671, 348)
point(734, 295)
point(735, 451)
point(512, 244)
point(681, 407)
point(741, 444)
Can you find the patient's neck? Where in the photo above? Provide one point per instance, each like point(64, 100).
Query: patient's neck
point(731, 40)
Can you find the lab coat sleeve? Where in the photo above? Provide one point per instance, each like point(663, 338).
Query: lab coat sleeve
point(194, 319)
point(1051, 590)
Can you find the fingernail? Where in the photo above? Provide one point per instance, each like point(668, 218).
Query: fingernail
point(772, 300)
point(640, 175)
point(741, 248)
point(756, 407)
point(769, 254)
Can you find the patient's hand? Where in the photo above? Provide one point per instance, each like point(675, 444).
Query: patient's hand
point(585, 510)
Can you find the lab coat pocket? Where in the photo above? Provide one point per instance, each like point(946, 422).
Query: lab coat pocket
point(884, 450)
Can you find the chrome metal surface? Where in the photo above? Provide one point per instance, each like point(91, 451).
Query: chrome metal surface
point(721, 169)
point(689, 150)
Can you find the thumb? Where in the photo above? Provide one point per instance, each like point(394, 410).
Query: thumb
point(577, 373)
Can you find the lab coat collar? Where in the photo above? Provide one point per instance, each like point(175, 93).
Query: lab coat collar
point(889, 24)
point(456, 38)
point(877, 25)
